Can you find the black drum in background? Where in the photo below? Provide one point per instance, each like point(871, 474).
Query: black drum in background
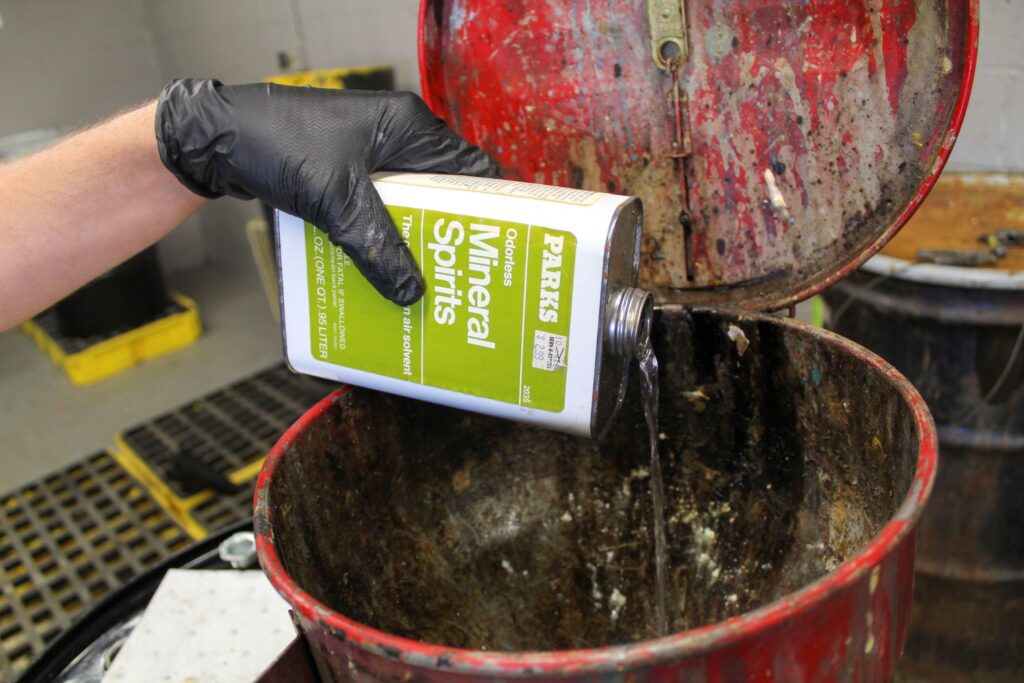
point(956, 333)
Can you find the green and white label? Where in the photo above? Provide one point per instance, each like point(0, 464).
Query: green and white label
point(493, 323)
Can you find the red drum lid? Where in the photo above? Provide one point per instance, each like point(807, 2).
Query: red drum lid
point(776, 144)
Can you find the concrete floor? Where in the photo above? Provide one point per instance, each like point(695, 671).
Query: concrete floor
point(46, 422)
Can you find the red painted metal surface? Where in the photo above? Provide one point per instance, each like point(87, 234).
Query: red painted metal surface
point(848, 108)
point(849, 625)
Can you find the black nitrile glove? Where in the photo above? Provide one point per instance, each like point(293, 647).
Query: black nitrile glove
point(310, 152)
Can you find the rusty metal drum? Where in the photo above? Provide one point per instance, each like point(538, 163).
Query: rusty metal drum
point(957, 334)
point(415, 542)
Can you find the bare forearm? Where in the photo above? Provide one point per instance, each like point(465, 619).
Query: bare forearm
point(72, 212)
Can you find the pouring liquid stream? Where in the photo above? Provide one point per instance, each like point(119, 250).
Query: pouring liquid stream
point(648, 363)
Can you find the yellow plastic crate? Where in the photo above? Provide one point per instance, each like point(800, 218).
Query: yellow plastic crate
point(183, 509)
point(229, 431)
point(337, 79)
point(117, 354)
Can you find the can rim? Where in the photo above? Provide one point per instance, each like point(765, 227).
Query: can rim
point(946, 276)
point(612, 658)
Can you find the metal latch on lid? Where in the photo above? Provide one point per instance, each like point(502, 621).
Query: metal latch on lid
point(669, 47)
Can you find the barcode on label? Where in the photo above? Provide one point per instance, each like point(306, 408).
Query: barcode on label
point(549, 351)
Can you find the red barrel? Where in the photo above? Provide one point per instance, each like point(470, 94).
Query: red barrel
point(398, 531)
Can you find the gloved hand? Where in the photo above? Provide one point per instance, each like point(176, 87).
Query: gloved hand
point(310, 152)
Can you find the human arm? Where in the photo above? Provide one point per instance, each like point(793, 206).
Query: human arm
point(70, 213)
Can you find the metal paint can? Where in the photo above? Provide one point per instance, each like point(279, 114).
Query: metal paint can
point(530, 311)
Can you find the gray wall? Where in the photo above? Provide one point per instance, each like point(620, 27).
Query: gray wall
point(72, 62)
point(237, 41)
point(66, 64)
point(991, 139)
point(69, 63)
point(361, 32)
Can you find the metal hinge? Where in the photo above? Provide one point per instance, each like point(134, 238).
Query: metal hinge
point(669, 47)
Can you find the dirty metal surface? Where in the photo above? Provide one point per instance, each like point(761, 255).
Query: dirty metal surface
point(960, 348)
point(964, 632)
point(803, 133)
point(461, 544)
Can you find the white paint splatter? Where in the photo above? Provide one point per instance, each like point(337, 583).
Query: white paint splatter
point(739, 337)
point(595, 591)
point(775, 196)
point(617, 601)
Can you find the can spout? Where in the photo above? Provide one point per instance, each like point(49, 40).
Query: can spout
point(630, 312)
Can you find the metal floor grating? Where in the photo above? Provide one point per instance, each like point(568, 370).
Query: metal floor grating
point(72, 537)
point(66, 541)
point(226, 431)
point(221, 510)
point(47, 321)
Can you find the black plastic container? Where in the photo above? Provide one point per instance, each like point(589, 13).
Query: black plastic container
point(130, 295)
